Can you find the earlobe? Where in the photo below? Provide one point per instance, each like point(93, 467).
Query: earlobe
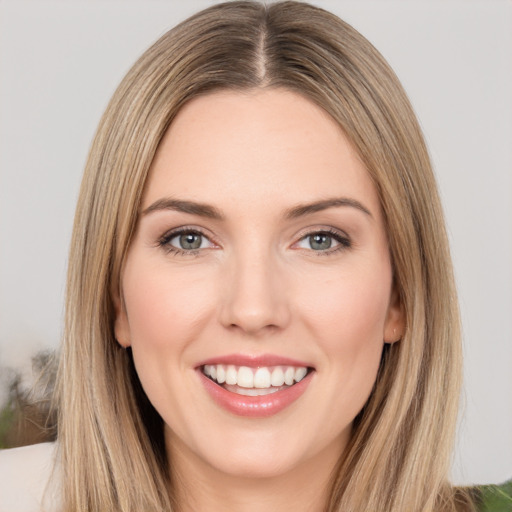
point(395, 321)
point(121, 326)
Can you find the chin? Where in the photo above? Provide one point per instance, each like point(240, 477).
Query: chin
point(243, 453)
point(246, 464)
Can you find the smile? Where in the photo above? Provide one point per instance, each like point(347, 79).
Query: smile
point(255, 387)
point(248, 381)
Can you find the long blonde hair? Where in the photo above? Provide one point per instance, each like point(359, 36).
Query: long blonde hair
point(110, 438)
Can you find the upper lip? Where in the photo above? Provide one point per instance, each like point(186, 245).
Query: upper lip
point(254, 361)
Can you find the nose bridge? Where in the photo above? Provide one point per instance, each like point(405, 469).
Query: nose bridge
point(255, 297)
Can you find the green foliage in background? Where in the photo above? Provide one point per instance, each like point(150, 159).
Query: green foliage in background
point(496, 498)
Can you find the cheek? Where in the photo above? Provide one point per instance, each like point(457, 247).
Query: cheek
point(167, 310)
point(165, 307)
point(350, 307)
point(347, 319)
point(349, 323)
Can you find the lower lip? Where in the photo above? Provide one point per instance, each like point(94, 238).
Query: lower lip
point(255, 406)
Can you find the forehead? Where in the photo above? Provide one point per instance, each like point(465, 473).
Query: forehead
point(264, 147)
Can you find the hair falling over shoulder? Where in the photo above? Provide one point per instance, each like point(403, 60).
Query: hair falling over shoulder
point(109, 434)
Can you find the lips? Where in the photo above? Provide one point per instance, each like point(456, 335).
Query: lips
point(257, 386)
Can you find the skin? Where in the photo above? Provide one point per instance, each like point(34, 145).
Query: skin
point(257, 286)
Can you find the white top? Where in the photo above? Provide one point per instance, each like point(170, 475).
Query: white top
point(25, 484)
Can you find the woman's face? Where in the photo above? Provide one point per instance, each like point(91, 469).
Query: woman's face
point(260, 260)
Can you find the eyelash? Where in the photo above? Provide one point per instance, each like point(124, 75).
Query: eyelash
point(343, 241)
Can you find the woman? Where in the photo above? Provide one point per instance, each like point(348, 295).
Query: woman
point(261, 310)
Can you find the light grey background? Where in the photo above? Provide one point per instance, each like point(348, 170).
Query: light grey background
point(61, 60)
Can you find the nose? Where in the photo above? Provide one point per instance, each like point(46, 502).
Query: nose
point(254, 297)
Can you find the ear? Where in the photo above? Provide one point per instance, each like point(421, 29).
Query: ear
point(121, 325)
point(394, 327)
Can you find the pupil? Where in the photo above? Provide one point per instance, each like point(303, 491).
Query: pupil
point(190, 241)
point(320, 241)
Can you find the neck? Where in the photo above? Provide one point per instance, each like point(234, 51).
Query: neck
point(200, 486)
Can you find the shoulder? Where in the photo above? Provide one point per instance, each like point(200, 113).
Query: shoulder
point(25, 476)
point(495, 498)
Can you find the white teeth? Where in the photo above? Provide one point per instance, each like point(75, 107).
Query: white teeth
point(300, 373)
point(231, 375)
point(221, 374)
point(277, 378)
point(289, 375)
point(245, 377)
point(263, 378)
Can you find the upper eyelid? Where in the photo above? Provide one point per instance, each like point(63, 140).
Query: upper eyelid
point(171, 233)
point(331, 230)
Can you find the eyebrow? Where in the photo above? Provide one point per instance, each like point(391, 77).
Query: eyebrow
point(208, 211)
point(307, 209)
point(201, 209)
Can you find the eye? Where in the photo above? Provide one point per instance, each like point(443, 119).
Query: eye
point(324, 241)
point(188, 241)
point(185, 241)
